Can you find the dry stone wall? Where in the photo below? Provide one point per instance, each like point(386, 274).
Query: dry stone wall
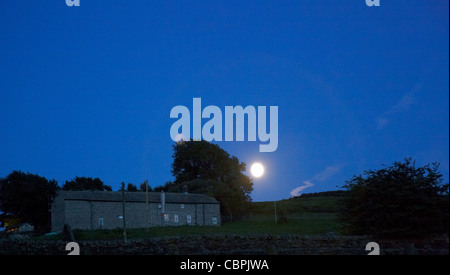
point(233, 245)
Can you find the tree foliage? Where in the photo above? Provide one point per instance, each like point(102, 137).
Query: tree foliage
point(203, 167)
point(400, 200)
point(84, 183)
point(132, 188)
point(27, 197)
point(145, 186)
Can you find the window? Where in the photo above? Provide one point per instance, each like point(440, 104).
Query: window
point(166, 217)
point(214, 220)
point(175, 218)
point(100, 222)
point(182, 206)
point(188, 218)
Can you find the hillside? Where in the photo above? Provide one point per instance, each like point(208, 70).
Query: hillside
point(298, 206)
point(314, 203)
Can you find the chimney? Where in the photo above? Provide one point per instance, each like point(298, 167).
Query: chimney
point(163, 202)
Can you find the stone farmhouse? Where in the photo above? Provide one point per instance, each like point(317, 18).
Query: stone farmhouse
point(91, 210)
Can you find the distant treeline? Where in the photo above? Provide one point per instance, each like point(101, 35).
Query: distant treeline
point(336, 193)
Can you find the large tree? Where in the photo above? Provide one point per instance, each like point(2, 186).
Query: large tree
point(27, 198)
point(397, 201)
point(204, 167)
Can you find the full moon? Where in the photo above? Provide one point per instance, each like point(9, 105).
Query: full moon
point(257, 170)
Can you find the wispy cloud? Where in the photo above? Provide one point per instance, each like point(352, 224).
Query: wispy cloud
point(327, 173)
point(402, 105)
point(405, 102)
point(296, 191)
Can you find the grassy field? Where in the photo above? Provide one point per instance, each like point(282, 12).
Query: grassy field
point(308, 216)
point(305, 225)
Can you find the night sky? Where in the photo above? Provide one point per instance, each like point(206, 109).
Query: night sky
point(88, 90)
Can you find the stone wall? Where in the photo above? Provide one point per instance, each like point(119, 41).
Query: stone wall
point(233, 245)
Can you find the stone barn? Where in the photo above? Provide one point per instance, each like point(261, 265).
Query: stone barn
point(91, 210)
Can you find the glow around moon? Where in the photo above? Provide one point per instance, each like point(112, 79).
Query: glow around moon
point(257, 170)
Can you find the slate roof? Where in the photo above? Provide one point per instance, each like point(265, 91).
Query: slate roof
point(153, 197)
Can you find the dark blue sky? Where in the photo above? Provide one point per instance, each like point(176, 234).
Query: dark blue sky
point(87, 91)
